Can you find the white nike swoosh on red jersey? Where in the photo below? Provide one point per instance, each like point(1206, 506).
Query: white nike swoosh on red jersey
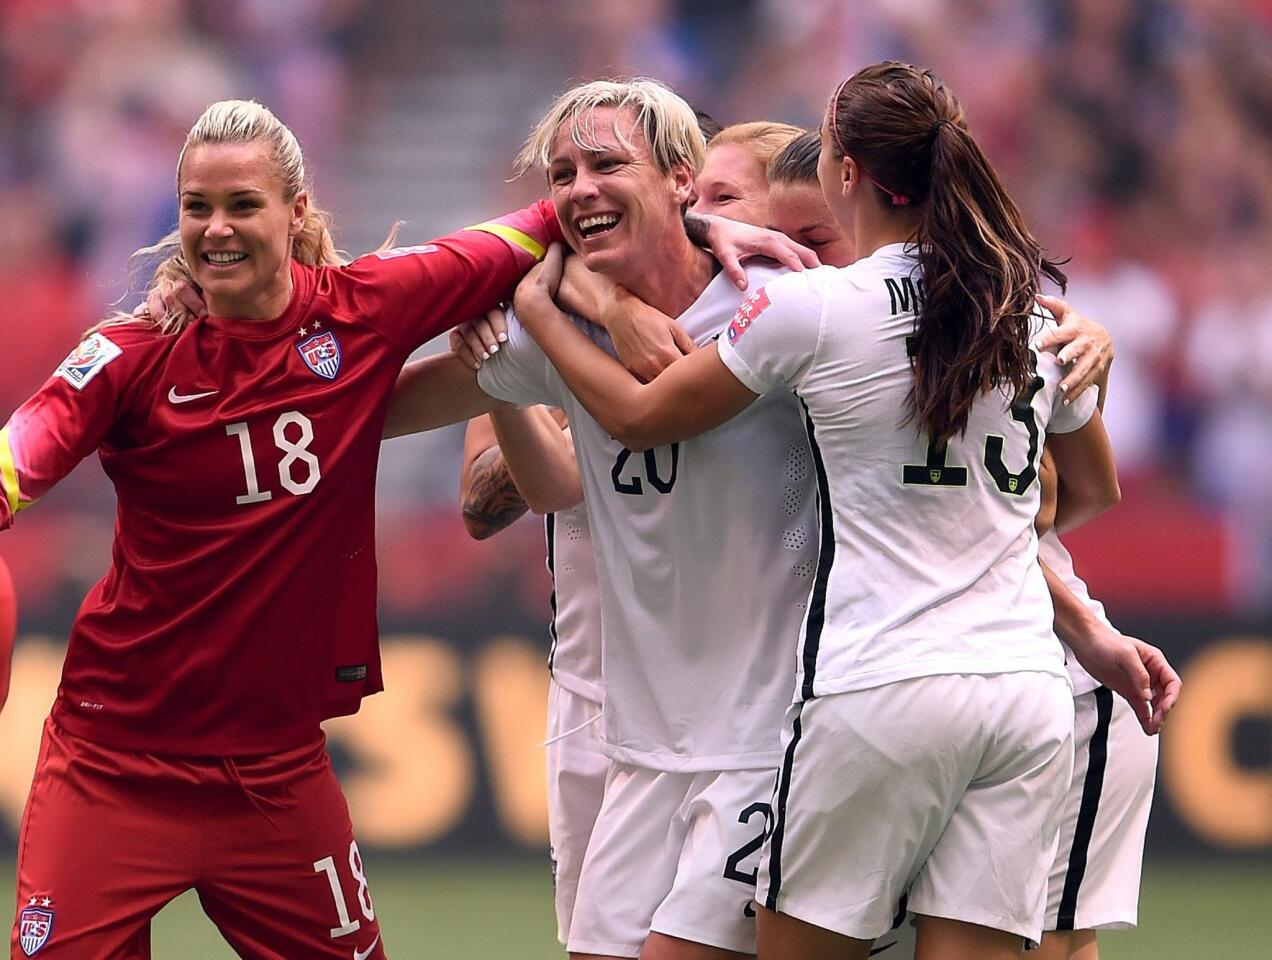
point(363, 954)
point(174, 397)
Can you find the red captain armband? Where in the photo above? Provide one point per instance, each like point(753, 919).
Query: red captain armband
point(749, 309)
point(8, 627)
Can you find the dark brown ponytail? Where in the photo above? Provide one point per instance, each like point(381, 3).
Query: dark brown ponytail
point(981, 266)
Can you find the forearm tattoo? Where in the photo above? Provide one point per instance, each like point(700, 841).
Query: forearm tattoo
point(492, 500)
point(697, 229)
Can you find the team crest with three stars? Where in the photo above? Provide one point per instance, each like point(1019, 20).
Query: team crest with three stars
point(35, 926)
point(321, 354)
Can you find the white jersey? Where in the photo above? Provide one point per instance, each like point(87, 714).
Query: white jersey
point(928, 557)
point(1055, 555)
point(705, 552)
point(575, 658)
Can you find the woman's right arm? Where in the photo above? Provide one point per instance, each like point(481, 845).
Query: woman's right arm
point(1137, 671)
point(413, 293)
point(693, 395)
point(1087, 474)
point(435, 392)
point(488, 499)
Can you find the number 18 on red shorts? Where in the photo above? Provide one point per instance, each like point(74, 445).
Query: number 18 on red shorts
point(110, 836)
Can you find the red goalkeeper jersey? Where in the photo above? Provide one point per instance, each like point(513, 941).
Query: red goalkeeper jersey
point(239, 608)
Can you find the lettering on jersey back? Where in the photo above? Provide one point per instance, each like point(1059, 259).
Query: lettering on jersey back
point(906, 294)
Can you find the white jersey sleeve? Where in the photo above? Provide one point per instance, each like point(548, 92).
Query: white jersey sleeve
point(773, 337)
point(520, 372)
point(1065, 418)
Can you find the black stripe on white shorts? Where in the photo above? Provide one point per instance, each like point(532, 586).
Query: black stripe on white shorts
point(1092, 787)
point(779, 811)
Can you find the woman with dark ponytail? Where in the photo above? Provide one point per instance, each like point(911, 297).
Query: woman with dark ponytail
point(929, 747)
point(980, 265)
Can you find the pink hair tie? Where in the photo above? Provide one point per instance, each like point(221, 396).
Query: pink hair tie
point(897, 199)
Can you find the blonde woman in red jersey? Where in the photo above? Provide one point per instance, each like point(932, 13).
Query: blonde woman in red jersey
point(184, 748)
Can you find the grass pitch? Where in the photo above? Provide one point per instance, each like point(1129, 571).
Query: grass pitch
point(447, 908)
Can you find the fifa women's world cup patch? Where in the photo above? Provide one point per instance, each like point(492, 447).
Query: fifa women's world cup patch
point(321, 354)
point(87, 360)
point(749, 309)
point(35, 925)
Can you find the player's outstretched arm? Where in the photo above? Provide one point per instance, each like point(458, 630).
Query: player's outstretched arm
point(693, 395)
point(435, 392)
point(1049, 493)
point(1136, 671)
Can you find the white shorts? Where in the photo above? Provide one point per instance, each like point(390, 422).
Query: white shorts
point(950, 787)
point(576, 784)
point(1095, 879)
point(674, 853)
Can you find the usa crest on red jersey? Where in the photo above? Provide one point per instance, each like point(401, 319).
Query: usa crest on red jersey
point(748, 310)
point(321, 354)
point(34, 927)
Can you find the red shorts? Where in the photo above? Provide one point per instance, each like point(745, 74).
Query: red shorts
point(109, 837)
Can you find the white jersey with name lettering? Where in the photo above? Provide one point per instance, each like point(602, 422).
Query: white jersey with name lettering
point(928, 556)
point(1056, 555)
point(575, 658)
point(705, 552)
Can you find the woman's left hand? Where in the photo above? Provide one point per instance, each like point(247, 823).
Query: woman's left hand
point(1081, 341)
point(172, 299)
point(1136, 671)
point(733, 241)
point(538, 288)
point(475, 340)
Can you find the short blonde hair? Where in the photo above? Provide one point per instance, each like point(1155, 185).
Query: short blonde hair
point(668, 122)
point(762, 139)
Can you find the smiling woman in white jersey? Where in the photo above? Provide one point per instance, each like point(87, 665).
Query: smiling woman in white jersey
point(930, 744)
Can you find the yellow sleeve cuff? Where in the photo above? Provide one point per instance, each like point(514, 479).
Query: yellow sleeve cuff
point(514, 236)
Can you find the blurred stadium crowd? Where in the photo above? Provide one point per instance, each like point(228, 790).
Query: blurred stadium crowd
point(1136, 133)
